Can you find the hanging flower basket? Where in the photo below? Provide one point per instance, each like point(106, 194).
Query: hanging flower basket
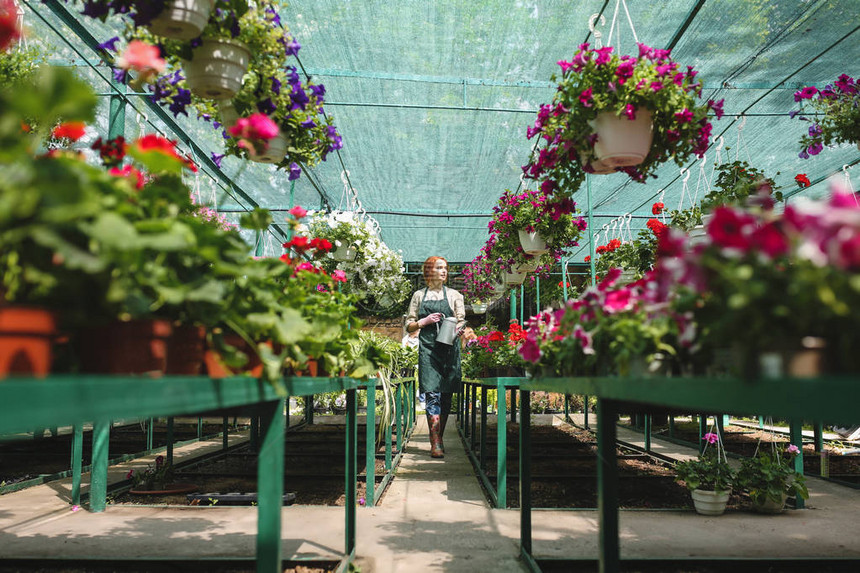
point(479, 307)
point(26, 336)
point(217, 68)
point(528, 266)
point(276, 151)
point(532, 243)
point(182, 19)
point(710, 502)
point(514, 278)
point(622, 142)
point(770, 506)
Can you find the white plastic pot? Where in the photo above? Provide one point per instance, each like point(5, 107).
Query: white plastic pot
point(514, 278)
point(710, 502)
point(228, 113)
point(528, 266)
point(532, 243)
point(217, 68)
point(344, 253)
point(479, 307)
point(182, 19)
point(622, 142)
point(276, 151)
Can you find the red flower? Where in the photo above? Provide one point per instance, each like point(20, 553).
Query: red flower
point(495, 336)
point(657, 208)
point(9, 31)
point(71, 130)
point(729, 228)
point(770, 239)
point(587, 258)
point(802, 180)
point(130, 173)
point(298, 243)
point(112, 151)
point(656, 227)
point(321, 245)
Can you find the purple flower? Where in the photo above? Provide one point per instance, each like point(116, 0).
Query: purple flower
point(803, 154)
point(805, 93)
point(317, 90)
point(266, 106)
point(295, 171)
point(815, 148)
point(656, 86)
point(585, 97)
point(793, 113)
point(792, 449)
point(625, 70)
point(299, 98)
point(292, 46)
point(217, 159)
point(308, 124)
point(717, 106)
point(292, 75)
point(815, 130)
point(603, 55)
point(276, 85)
point(684, 116)
point(644, 51)
point(120, 75)
point(180, 100)
point(110, 45)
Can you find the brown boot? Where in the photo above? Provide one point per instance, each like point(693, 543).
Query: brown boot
point(434, 424)
point(443, 420)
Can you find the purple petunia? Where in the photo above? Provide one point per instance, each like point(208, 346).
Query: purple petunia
point(276, 85)
point(292, 46)
point(295, 171)
point(110, 45)
point(267, 106)
point(217, 159)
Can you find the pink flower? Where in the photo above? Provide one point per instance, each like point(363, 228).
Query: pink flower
point(584, 339)
point(339, 276)
point(656, 86)
point(298, 212)
point(530, 350)
point(792, 449)
point(585, 97)
point(711, 438)
point(564, 65)
point(730, 228)
point(618, 301)
point(143, 58)
point(770, 240)
point(254, 132)
point(805, 93)
point(630, 112)
point(603, 55)
point(684, 116)
point(644, 51)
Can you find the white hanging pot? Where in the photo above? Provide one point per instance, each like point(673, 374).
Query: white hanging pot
point(514, 278)
point(600, 167)
point(217, 68)
point(622, 142)
point(276, 151)
point(710, 502)
point(627, 277)
point(479, 307)
point(182, 19)
point(532, 243)
point(344, 253)
point(228, 113)
point(528, 266)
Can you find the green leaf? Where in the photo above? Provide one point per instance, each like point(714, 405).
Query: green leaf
point(257, 220)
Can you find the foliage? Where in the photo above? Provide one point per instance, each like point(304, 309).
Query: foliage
point(531, 211)
point(152, 478)
point(599, 81)
point(636, 256)
point(377, 274)
point(768, 476)
point(735, 182)
point(491, 350)
point(19, 64)
point(708, 472)
point(838, 106)
point(482, 282)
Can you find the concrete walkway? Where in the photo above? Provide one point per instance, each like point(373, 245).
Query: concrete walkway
point(433, 517)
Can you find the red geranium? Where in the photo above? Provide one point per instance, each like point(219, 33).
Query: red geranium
point(656, 227)
point(657, 208)
point(802, 180)
point(71, 130)
point(112, 151)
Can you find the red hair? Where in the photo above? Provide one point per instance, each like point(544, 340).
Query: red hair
point(429, 264)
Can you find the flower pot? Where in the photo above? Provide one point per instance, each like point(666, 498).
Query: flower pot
point(217, 68)
point(275, 152)
point(532, 243)
point(26, 336)
point(215, 365)
point(627, 276)
point(622, 142)
point(125, 347)
point(228, 113)
point(185, 350)
point(514, 278)
point(769, 506)
point(527, 267)
point(344, 253)
point(479, 307)
point(710, 502)
point(698, 235)
point(600, 167)
point(182, 19)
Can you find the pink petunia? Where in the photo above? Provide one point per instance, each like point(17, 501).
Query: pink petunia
point(298, 212)
point(630, 112)
point(585, 98)
point(339, 276)
point(711, 438)
point(142, 58)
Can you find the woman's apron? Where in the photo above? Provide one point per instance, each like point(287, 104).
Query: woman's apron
point(438, 364)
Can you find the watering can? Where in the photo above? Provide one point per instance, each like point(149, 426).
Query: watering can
point(447, 331)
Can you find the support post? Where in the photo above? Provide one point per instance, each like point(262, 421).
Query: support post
point(150, 433)
point(398, 409)
point(169, 456)
point(99, 466)
point(482, 455)
point(607, 485)
point(648, 432)
point(795, 436)
point(225, 442)
point(525, 475)
point(351, 470)
point(585, 411)
point(502, 448)
point(270, 487)
point(77, 454)
point(818, 435)
point(370, 447)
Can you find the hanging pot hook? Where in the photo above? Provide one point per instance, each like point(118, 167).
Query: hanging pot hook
point(593, 28)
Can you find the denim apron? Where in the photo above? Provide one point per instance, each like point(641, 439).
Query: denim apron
point(438, 364)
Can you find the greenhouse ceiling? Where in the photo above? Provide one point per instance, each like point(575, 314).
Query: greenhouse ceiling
point(433, 100)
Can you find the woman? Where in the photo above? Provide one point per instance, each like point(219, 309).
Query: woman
point(438, 364)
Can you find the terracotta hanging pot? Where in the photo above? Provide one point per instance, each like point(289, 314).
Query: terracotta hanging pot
point(185, 350)
point(622, 142)
point(182, 19)
point(217, 68)
point(125, 347)
point(26, 337)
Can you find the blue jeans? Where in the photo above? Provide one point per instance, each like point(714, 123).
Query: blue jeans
point(437, 403)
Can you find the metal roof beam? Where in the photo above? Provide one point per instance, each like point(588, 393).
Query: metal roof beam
point(691, 15)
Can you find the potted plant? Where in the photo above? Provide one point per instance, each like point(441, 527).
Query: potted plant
point(532, 213)
point(769, 478)
point(480, 280)
point(838, 115)
point(708, 478)
point(600, 89)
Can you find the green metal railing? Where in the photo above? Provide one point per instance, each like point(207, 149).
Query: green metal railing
point(832, 399)
point(73, 400)
point(469, 435)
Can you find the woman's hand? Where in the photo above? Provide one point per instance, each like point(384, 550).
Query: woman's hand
point(430, 319)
